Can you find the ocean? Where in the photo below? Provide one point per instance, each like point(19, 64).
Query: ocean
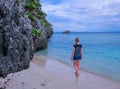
point(101, 51)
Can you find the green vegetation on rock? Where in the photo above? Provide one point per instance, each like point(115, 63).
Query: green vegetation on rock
point(36, 32)
point(33, 8)
point(41, 14)
point(32, 4)
point(31, 17)
point(47, 24)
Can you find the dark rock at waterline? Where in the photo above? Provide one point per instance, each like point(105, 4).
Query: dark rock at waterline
point(41, 42)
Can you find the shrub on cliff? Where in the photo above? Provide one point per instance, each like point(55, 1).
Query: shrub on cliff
point(47, 24)
point(31, 17)
point(36, 32)
point(31, 5)
point(41, 14)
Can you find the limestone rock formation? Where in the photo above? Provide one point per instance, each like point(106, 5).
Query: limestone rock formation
point(17, 42)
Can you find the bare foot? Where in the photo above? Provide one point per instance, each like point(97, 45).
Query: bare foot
point(76, 73)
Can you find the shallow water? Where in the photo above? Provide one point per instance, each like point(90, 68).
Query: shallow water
point(100, 51)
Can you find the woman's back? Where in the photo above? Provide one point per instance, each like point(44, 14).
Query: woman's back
point(77, 50)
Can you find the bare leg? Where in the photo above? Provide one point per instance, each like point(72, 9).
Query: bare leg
point(76, 68)
point(78, 64)
point(75, 65)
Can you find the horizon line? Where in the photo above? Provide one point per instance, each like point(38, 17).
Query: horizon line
point(86, 32)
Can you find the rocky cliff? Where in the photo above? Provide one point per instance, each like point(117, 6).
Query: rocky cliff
point(23, 30)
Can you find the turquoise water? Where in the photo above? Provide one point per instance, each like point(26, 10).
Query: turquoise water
point(101, 51)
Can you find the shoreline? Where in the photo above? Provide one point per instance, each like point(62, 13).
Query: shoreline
point(55, 67)
point(50, 74)
point(104, 76)
point(61, 62)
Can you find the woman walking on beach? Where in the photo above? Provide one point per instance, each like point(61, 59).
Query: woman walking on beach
point(77, 55)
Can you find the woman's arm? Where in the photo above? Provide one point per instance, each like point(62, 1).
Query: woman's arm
point(73, 51)
point(81, 52)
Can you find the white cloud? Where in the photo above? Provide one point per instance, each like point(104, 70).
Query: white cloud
point(83, 14)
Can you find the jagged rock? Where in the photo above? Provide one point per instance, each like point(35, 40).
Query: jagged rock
point(49, 32)
point(16, 41)
point(41, 42)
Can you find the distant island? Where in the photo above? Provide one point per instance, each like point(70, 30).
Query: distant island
point(66, 32)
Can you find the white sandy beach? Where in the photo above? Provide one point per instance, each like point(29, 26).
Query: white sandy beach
point(49, 74)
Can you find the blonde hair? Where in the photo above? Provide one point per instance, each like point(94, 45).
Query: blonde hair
point(77, 40)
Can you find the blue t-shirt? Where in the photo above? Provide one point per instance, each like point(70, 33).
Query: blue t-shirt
point(77, 54)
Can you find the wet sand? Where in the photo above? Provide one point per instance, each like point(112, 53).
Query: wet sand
point(86, 80)
point(45, 73)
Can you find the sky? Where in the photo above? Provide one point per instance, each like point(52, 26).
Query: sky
point(83, 15)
